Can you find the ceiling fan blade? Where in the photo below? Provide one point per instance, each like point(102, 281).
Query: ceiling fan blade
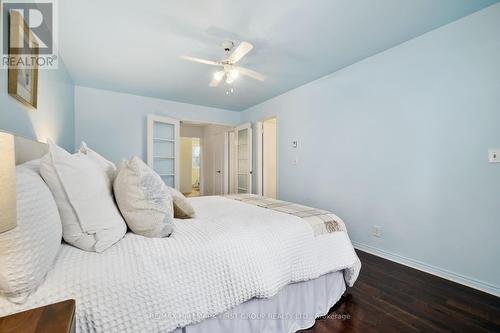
point(240, 52)
point(251, 73)
point(201, 61)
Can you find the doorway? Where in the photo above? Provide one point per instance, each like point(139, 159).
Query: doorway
point(203, 158)
point(190, 163)
point(267, 161)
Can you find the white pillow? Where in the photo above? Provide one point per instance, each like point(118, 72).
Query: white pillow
point(108, 167)
point(144, 200)
point(91, 221)
point(28, 251)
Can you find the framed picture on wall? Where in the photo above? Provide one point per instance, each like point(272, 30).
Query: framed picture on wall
point(23, 73)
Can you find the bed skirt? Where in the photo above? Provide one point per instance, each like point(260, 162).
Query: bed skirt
point(293, 308)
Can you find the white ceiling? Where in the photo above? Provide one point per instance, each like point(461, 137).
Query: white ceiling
point(133, 46)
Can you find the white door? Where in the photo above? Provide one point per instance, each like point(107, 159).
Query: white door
point(219, 161)
point(163, 148)
point(269, 158)
point(244, 158)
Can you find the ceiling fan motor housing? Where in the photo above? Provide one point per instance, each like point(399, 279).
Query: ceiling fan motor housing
point(227, 45)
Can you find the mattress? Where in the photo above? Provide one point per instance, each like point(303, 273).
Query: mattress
point(229, 254)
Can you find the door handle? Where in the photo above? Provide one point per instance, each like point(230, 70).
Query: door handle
point(218, 171)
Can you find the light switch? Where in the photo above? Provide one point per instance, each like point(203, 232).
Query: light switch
point(494, 155)
point(295, 161)
point(377, 231)
point(294, 144)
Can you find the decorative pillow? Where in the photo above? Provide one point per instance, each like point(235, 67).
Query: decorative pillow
point(182, 207)
point(28, 251)
point(90, 219)
point(108, 167)
point(144, 200)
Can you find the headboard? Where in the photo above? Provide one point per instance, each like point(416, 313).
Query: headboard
point(17, 149)
point(28, 149)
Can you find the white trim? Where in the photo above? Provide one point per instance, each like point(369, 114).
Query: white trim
point(421, 266)
point(225, 169)
point(202, 164)
point(232, 162)
point(202, 123)
point(250, 158)
point(277, 158)
point(260, 132)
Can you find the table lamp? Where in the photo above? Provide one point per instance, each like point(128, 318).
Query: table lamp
point(8, 217)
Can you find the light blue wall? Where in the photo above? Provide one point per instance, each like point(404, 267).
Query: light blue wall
point(401, 140)
point(114, 124)
point(54, 117)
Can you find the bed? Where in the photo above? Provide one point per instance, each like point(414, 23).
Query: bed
point(235, 267)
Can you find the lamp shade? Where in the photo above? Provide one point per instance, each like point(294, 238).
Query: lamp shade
point(8, 219)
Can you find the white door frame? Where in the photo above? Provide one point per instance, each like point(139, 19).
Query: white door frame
point(232, 162)
point(225, 170)
point(260, 152)
point(202, 187)
point(260, 132)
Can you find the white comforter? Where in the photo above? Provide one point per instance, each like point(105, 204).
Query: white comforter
point(230, 253)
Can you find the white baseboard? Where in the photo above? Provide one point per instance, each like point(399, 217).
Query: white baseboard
point(443, 273)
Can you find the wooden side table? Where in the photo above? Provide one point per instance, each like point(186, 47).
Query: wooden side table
point(53, 318)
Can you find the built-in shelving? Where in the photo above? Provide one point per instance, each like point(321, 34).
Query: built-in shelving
point(163, 148)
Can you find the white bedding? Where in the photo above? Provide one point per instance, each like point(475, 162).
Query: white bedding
point(230, 253)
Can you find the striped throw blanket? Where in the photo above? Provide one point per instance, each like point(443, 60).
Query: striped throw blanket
point(321, 221)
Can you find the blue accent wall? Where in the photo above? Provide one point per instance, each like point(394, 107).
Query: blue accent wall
point(115, 124)
point(54, 117)
point(400, 140)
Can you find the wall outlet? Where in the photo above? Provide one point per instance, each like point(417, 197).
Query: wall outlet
point(377, 231)
point(494, 155)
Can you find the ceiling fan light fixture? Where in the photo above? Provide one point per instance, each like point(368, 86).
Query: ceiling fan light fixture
point(234, 73)
point(229, 79)
point(219, 75)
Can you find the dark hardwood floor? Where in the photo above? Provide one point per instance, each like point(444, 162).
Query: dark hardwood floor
point(389, 297)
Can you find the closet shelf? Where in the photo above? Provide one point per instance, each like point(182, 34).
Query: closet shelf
point(163, 140)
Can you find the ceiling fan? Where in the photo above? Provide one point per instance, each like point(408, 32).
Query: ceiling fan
point(229, 70)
